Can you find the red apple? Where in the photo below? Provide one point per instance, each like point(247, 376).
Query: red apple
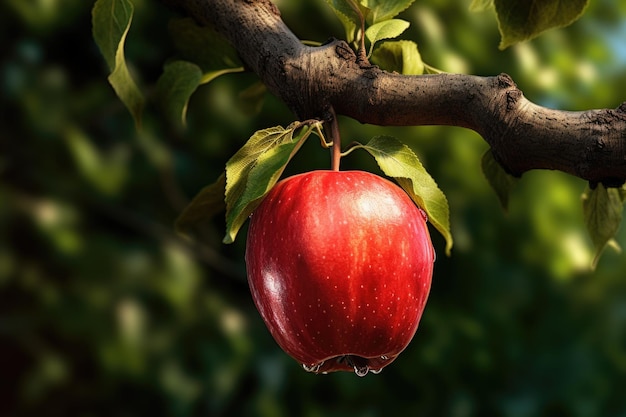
point(339, 266)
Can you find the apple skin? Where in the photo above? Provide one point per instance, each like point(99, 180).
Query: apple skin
point(339, 265)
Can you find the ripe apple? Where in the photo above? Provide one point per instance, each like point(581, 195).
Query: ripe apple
point(339, 265)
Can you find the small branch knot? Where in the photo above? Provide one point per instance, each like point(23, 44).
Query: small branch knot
point(505, 81)
point(345, 52)
point(512, 97)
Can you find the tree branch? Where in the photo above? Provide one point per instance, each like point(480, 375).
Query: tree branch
point(310, 80)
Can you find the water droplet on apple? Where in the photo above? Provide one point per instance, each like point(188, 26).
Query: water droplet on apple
point(312, 368)
point(361, 370)
point(376, 371)
point(384, 357)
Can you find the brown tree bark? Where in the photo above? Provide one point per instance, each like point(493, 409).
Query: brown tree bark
point(310, 80)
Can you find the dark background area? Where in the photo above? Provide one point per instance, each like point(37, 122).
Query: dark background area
point(106, 311)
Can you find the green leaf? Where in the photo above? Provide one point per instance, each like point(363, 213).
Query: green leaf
point(345, 11)
point(602, 210)
point(373, 11)
point(501, 181)
point(111, 20)
point(387, 29)
point(381, 10)
point(521, 20)
point(239, 165)
point(203, 46)
point(399, 162)
point(255, 169)
point(399, 56)
point(174, 88)
point(206, 204)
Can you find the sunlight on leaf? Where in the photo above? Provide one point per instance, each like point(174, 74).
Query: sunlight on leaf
point(381, 10)
point(372, 11)
point(240, 164)
point(256, 168)
point(399, 56)
point(387, 29)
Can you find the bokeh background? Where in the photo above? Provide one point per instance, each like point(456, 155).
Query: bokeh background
point(106, 311)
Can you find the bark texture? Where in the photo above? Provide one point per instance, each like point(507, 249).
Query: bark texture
point(310, 80)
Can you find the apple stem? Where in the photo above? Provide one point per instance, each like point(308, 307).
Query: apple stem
point(336, 139)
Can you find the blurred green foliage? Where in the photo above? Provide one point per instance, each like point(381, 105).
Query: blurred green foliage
point(105, 311)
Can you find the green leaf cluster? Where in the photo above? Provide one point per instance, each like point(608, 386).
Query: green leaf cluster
point(250, 173)
point(202, 55)
point(399, 56)
point(256, 168)
point(253, 171)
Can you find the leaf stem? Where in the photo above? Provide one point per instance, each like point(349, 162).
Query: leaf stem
point(361, 53)
point(429, 69)
point(354, 145)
